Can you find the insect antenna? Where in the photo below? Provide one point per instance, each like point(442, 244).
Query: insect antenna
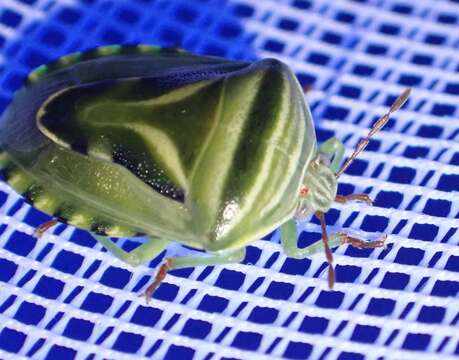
point(397, 104)
point(328, 253)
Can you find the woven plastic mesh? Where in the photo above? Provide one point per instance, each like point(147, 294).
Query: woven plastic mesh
point(64, 297)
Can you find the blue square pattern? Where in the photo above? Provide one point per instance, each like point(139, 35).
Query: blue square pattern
point(63, 298)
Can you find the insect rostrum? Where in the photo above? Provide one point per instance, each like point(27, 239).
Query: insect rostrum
point(208, 152)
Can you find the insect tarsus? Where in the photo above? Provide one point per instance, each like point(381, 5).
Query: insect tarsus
point(40, 230)
point(160, 275)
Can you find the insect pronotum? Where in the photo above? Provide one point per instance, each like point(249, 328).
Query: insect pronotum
point(139, 140)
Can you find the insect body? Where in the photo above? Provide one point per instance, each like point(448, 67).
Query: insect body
point(212, 153)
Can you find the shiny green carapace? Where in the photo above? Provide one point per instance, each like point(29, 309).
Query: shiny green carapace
point(212, 153)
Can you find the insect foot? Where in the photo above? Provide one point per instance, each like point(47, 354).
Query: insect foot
point(160, 275)
point(40, 230)
point(354, 197)
point(362, 244)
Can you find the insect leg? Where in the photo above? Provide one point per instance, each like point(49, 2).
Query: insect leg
point(362, 244)
point(290, 245)
point(354, 197)
point(179, 262)
point(336, 147)
point(139, 255)
point(291, 249)
point(289, 242)
point(42, 228)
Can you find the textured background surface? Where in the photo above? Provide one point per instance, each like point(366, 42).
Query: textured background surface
point(64, 297)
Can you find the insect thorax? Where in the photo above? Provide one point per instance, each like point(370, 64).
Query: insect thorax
point(321, 186)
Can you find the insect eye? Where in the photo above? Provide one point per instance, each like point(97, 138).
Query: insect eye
point(304, 191)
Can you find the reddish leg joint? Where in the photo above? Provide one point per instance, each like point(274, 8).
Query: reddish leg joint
point(160, 275)
point(40, 230)
point(354, 197)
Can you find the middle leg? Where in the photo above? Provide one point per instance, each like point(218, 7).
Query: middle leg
point(180, 262)
point(143, 253)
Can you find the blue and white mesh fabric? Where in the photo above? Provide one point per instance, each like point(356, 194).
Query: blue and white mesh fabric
point(64, 297)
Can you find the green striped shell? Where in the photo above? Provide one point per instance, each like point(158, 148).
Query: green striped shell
point(127, 140)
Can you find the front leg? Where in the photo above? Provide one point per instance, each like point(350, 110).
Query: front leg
point(333, 147)
point(289, 242)
point(289, 236)
point(180, 262)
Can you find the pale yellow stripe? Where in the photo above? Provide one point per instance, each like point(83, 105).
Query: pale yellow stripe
point(257, 191)
point(164, 148)
point(216, 158)
point(173, 97)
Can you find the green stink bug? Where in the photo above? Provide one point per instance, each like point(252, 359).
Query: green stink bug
point(211, 153)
